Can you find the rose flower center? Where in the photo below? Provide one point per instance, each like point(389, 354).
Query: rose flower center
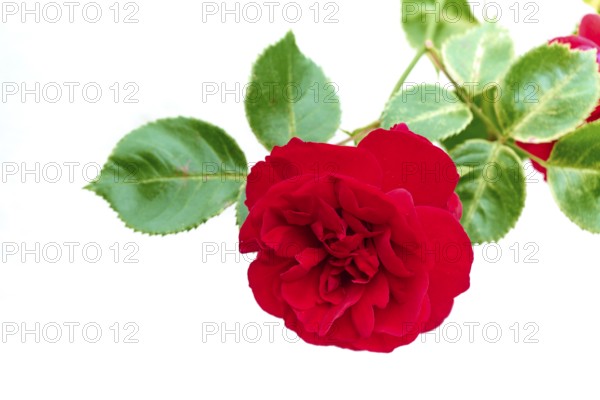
point(349, 257)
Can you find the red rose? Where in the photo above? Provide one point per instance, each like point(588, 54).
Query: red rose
point(358, 247)
point(588, 39)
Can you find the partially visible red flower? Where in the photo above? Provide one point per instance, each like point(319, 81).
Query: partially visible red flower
point(541, 150)
point(358, 247)
point(588, 39)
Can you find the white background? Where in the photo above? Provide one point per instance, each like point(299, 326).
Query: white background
point(177, 288)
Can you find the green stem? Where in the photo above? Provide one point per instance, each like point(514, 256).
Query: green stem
point(408, 70)
point(360, 133)
point(437, 61)
point(511, 143)
point(432, 23)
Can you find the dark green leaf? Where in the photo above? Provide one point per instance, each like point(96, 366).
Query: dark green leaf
point(172, 175)
point(290, 96)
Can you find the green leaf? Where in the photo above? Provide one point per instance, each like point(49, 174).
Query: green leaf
point(477, 129)
point(574, 176)
point(479, 58)
point(428, 110)
point(289, 96)
point(447, 18)
point(241, 211)
point(172, 175)
point(548, 93)
point(491, 188)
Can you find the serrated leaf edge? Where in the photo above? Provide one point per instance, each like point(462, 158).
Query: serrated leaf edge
point(385, 112)
point(460, 36)
point(513, 224)
point(288, 35)
point(499, 111)
point(185, 228)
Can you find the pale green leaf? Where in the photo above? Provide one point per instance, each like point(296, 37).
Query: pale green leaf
point(574, 176)
point(479, 58)
point(548, 93)
point(428, 110)
point(491, 188)
point(448, 18)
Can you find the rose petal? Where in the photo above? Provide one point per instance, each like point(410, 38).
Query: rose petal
point(594, 116)
point(377, 292)
point(298, 158)
point(274, 200)
point(363, 318)
point(413, 163)
point(450, 275)
point(342, 333)
point(289, 241)
point(263, 276)
point(406, 228)
point(302, 294)
point(400, 319)
point(365, 203)
point(298, 217)
point(307, 259)
point(455, 206)
point(579, 43)
point(391, 261)
point(590, 28)
point(541, 150)
point(353, 295)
